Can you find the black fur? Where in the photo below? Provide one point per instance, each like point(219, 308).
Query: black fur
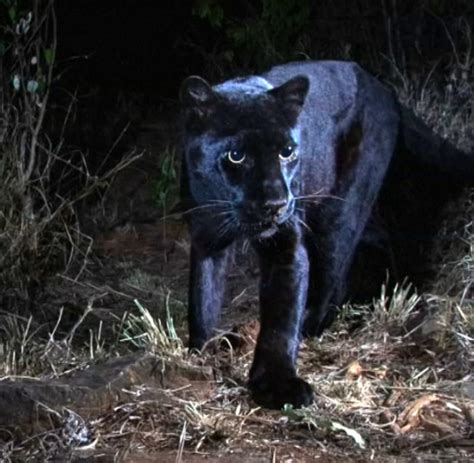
point(295, 161)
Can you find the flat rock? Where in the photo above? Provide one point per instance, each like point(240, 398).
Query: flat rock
point(28, 404)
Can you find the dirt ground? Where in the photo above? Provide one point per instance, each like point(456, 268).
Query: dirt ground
point(396, 387)
point(384, 392)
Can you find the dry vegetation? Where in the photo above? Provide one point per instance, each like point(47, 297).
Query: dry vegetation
point(42, 180)
point(401, 384)
point(398, 388)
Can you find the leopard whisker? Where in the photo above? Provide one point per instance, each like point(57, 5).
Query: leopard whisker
point(188, 211)
point(223, 212)
point(318, 196)
point(225, 226)
point(226, 201)
point(313, 194)
point(202, 206)
point(305, 225)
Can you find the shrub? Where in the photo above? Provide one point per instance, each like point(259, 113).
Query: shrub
point(41, 181)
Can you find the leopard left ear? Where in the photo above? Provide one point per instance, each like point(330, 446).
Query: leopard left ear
point(198, 96)
point(292, 95)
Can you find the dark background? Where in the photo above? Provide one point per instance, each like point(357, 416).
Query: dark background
point(150, 46)
point(125, 60)
point(119, 66)
point(140, 51)
point(137, 44)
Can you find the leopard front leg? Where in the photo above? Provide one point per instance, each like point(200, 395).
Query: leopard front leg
point(206, 290)
point(284, 266)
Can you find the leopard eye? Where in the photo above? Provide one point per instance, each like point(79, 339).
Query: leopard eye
point(288, 153)
point(235, 157)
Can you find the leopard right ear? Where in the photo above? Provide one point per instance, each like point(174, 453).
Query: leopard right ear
point(196, 94)
point(291, 96)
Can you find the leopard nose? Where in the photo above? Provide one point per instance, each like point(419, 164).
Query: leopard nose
point(275, 208)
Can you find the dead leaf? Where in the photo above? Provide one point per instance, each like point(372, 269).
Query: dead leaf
point(381, 373)
point(350, 432)
point(468, 414)
point(393, 398)
point(354, 370)
point(387, 417)
point(438, 427)
point(243, 337)
point(410, 417)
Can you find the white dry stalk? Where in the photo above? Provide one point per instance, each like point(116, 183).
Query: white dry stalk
point(144, 330)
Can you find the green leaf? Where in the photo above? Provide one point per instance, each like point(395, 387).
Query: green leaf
point(12, 14)
point(16, 82)
point(41, 85)
point(229, 56)
point(32, 86)
point(48, 56)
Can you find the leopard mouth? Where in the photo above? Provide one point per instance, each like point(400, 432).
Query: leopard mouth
point(267, 226)
point(254, 229)
point(268, 232)
point(263, 228)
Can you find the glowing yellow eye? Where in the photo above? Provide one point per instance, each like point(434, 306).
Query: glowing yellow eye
point(288, 153)
point(235, 157)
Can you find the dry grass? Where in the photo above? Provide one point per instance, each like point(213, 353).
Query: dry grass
point(452, 293)
point(387, 390)
point(398, 388)
point(384, 390)
point(447, 106)
point(41, 179)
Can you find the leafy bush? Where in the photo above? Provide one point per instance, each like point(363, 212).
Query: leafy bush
point(269, 31)
point(165, 186)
